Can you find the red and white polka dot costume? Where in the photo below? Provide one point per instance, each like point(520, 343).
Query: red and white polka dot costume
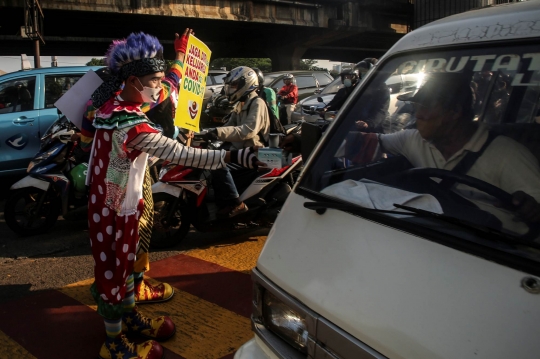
point(113, 236)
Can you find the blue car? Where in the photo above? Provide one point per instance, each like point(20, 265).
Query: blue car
point(27, 110)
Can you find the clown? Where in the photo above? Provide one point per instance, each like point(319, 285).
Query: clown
point(165, 106)
point(123, 141)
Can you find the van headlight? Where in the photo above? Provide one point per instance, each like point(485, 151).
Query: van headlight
point(284, 321)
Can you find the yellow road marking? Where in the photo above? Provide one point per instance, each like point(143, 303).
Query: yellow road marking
point(11, 349)
point(241, 256)
point(203, 330)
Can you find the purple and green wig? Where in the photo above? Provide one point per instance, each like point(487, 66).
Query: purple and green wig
point(138, 55)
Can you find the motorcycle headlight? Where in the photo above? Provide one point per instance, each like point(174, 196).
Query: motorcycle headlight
point(284, 321)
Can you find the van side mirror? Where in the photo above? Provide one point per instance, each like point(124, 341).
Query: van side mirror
point(311, 134)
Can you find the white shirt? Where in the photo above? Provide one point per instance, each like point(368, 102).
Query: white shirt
point(505, 164)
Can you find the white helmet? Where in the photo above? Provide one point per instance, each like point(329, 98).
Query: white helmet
point(240, 82)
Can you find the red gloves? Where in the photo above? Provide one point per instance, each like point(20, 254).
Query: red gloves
point(180, 44)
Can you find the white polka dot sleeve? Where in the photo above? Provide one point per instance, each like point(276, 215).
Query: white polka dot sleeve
point(155, 144)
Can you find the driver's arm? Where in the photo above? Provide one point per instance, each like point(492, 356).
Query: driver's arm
point(519, 175)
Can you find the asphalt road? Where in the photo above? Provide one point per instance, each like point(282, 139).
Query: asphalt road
point(62, 256)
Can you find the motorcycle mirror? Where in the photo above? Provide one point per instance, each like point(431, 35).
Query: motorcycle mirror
point(319, 99)
point(330, 115)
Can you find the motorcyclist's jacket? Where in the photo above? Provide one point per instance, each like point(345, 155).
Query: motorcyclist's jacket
point(289, 94)
point(244, 129)
point(339, 98)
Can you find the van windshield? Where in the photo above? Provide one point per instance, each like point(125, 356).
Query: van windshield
point(446, 140)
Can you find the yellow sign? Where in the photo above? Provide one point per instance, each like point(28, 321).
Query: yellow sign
point(193, 84)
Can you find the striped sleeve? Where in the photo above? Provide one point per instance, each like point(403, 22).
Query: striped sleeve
point(155, 144)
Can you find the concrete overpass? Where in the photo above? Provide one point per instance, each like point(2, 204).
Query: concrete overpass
point(285, 31)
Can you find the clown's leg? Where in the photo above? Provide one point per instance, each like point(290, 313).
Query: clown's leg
point(116, 344)
point(144, 291)
point(160, 328)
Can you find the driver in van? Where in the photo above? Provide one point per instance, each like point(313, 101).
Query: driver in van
point(446, 134)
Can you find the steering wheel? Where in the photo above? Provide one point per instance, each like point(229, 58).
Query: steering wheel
point(503, 196)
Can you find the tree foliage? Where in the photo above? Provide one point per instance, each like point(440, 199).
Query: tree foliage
point(308, 64)
point(96, 62)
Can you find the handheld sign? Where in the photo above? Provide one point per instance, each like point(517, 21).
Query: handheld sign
point(73, 103)
point(196, 62)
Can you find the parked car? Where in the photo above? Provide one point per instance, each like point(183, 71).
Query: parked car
point(27, 110)
point(372, 258)
point(308, 108)
point(307, 81)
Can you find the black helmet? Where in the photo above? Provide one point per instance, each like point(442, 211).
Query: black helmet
point(355, 75)
point(260, 76)
point(364, 65)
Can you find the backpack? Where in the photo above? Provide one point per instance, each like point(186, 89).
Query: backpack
point(275, 125)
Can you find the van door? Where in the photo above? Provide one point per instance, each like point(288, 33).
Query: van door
point(19, 123)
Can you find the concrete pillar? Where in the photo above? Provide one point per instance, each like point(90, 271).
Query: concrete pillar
point(286, 58)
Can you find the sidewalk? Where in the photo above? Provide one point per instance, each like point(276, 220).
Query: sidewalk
point(211, 309)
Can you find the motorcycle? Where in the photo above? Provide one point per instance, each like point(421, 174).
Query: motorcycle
point(183, 197)
point(55, 185)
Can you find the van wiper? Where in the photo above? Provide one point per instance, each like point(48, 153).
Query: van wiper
point(477, 229)
point(321, 207)
point(494, 235)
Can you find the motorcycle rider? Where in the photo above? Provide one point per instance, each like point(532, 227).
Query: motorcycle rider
point(371, 117)
point(248, 125)
point(349, 79)
point(266, 93)
point(288, 95)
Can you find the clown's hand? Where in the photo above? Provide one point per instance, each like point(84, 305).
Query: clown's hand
point(180, 42)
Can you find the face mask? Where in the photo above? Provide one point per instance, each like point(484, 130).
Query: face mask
point(347, 82)
point(149, 94)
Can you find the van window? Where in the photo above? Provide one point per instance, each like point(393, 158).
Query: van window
point(17, 95)
point(57, 85)
point(445, 141)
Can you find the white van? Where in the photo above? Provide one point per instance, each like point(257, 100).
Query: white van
point(389, 247)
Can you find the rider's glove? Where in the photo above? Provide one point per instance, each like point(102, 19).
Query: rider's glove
point(245, 157)
point(211, 135)
point(182, 135)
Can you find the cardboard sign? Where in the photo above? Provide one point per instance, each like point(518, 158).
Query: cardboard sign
point(73, 103)
point(274, 157)
point(191, 94)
